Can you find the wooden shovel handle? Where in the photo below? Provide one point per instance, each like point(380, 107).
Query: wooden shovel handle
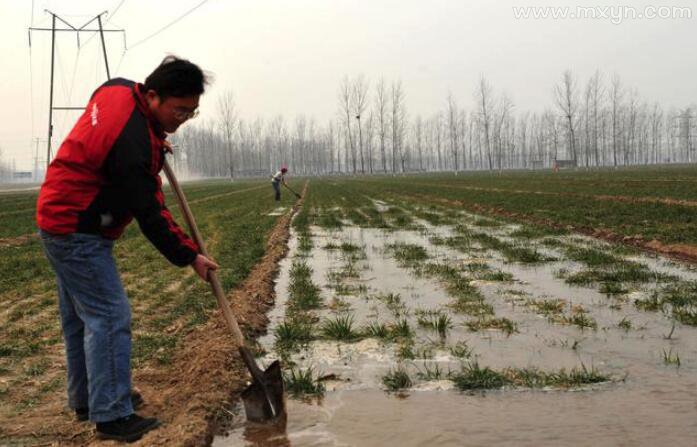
point(212, 275)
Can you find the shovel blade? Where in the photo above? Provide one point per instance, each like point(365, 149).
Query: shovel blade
point(264, 399)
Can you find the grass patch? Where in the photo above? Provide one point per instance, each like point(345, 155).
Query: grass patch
point(303, 383)
point(153, 346)
point(654, 302)
point(591, 257)
point(536, 232)
point(19, 351)
point(401, 329)
point(460, 242)
point(473, 306)
point(623, 272)
point(293, 332)
point(342, 289)
point(547, 307)
point(496, 276)
point(679, 299)
point(512, 252)
point(408, 254)
point(578, 317)
point(393, 302)
point(431, 371)
point(613, 288)
point(36, 369)
point(482, 222)
point(397, 379)
point(340, 328)
point(376, 329)
point(474, 377)
point(671, 358)
point(348, 271)
point(304, 294)
point(329, 220)
point(461, 350)
point(438, 322)
point(305, 243)
point(625, 324)
point(503, 324)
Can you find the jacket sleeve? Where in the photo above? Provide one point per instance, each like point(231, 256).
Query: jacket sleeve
point(129, 167)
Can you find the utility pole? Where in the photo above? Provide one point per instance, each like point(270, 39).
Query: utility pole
point(69, 28)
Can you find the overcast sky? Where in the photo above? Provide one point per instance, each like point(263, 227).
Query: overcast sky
point(288, 56)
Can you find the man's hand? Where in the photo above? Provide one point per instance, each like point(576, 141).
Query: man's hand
point(201, 266)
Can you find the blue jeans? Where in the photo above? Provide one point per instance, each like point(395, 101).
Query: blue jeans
point(277, 189)
point(96, 321)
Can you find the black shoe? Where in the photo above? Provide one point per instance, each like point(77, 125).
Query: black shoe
point(83, 414)
point(127, 429)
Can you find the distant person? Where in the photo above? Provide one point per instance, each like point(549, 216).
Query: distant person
point(278, 179)
point(104, 175)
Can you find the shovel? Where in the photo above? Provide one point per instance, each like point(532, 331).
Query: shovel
point(289, 189)
point(264, 399)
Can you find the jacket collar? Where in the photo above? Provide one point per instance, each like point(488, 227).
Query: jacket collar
point(143, 107)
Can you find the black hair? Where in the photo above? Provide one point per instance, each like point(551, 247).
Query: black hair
point(176, 77)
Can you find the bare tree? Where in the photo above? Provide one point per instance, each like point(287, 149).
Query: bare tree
point(381, 106)
point(595, 88)
point(656, 128)
point(565, 96)
point(359, 100)
point(505, 106)
point(632, 117)
point(419, 139)
point(462, 126)
point(227, 119)
point(452, 131)
point(616, 94)
point(345, 108)
point(398, 119)
point(484, 100)
point(370, 137)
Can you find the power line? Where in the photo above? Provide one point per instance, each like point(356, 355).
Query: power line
point(118, 66)
point(54, 52)
point(168, 25)
point(110, 16)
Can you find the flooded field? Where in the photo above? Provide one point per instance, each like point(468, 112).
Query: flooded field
point(446, 328)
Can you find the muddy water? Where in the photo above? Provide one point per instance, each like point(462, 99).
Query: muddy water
point(646, 403)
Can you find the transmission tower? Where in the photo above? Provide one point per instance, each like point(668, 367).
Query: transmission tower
point(68, 27)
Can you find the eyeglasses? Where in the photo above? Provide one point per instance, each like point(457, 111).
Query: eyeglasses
point(184, 114)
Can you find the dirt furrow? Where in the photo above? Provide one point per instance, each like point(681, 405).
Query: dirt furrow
point(191, 395)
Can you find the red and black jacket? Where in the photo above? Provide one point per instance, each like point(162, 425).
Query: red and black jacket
point(106, 172)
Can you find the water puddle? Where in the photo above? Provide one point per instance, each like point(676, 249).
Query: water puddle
point(278, 211)
point(647, 402)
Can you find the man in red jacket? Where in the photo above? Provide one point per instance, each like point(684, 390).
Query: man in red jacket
point(106, 173)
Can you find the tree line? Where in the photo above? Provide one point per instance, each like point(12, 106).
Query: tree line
point(600, 122)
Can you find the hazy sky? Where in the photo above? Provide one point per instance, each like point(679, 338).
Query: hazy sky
point(289, 56)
